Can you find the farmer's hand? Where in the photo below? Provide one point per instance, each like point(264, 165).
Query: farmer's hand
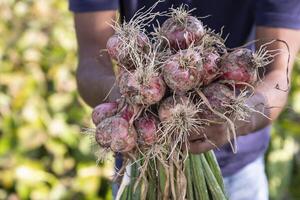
point(216, 135)
point(268, 99)
point(209, 138)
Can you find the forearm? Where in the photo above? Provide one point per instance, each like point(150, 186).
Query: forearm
point(271, 94)
point(95, 76)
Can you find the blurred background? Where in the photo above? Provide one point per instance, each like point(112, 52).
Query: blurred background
point(43, 155)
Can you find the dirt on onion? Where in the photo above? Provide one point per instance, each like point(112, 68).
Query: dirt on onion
point(141, 90)
point(239, 66)
point(211, 67)
point(184, 70)
point(116, 132)
point(219, 96)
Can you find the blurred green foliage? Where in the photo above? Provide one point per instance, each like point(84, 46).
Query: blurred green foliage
point(283, 157)
point(42, 153)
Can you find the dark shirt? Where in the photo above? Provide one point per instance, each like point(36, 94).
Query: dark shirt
point(239, 18)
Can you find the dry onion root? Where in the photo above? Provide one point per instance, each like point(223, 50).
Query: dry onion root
point(144, 85)
point(152, 153)
point(131, 37)
point(179, 118)
point(118, 47)
point(213, 41)
point(222, 105)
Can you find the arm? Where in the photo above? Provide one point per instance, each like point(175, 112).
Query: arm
point(95, 76)
point(266, 95)
point(270, 99)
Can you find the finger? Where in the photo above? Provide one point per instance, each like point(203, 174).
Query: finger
point(200, 139)
point(194, 137)
point(199, 146)
point(207, 131)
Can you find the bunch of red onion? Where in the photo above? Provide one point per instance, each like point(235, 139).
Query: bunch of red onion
point(170, 90)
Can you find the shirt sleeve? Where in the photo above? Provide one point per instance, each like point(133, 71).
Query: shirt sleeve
point(278, 13)
point(93, 5)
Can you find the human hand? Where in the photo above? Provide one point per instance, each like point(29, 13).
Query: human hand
point(210, 137)
point(216, 135)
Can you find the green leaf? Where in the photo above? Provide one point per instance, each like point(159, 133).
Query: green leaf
point(212, 183)
point(214, 166)
point(198, 178)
